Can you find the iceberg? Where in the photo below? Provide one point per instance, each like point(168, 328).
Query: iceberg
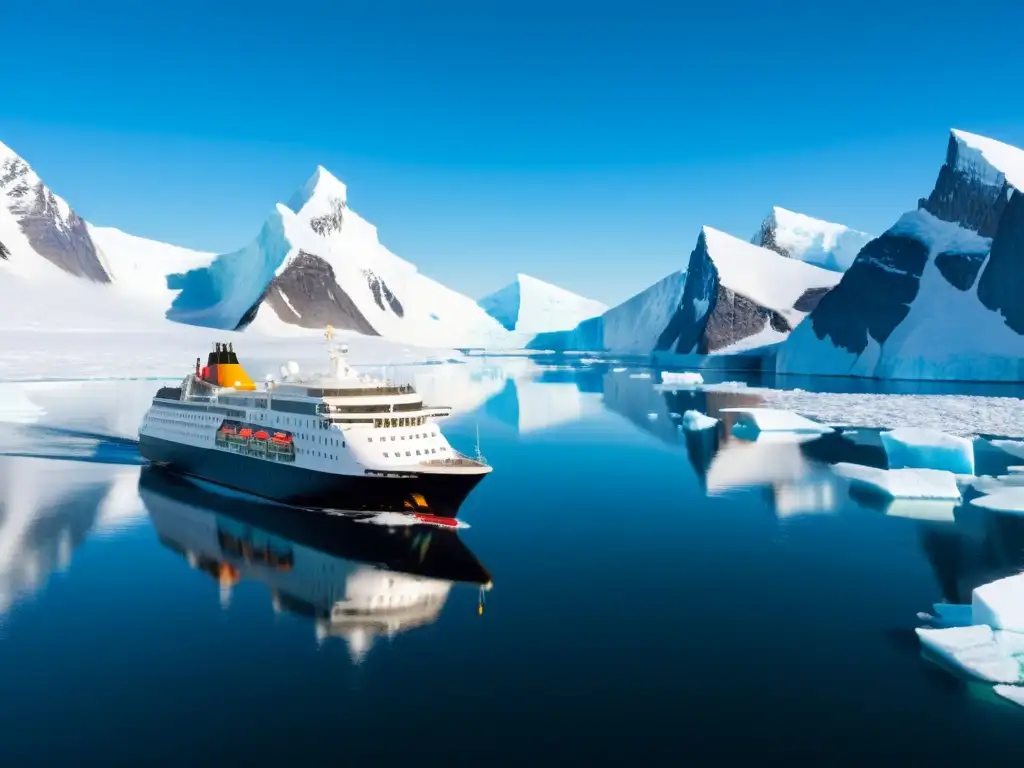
point(694, 421)
point(1009, 498)
point(774, 420)
point(918, 448)
point(685, 379)
point(902, 483)
point(981, 652)
point(1000, 604)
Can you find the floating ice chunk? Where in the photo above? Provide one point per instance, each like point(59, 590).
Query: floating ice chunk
point(773, 420)
point(1015, 470)
point(979, 651)
point(1000, 604)
point(652, 416)
point(685, 379)
point(639, 375)
point(902, 483)
point(932, 510)
point(725, 386)
point(1009, 498)
point(915, 447)
point(695, 420)
point(1014, 693)
point(989, 484)
point(618, 370)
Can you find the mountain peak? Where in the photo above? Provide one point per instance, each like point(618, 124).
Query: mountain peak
point(988, 160)
point(814, 241)
point(536, 306)
point(322, 188)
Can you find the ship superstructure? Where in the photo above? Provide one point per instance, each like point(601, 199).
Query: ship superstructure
point(339, 440)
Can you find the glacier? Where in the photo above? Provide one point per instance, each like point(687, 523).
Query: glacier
point(937, 296)
point(734, 297)
point(531, 306)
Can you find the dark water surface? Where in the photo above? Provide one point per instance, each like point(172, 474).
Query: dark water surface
point(657, 598)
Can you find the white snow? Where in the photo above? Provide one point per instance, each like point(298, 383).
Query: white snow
point(1012, 693)
point(821, 243)
point(763, 276)
point(775, 420)
point(964, 415)
point(988, 160)
point(979, 651)
point(901, 483)
point(696, 421)
point(634, 326)
point(531, 306)
point(1000, 604)
point(1007, 499)
point(684, 379)
point(917, 447)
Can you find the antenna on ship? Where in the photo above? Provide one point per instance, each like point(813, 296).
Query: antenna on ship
point(332, 350)
point(479, 454)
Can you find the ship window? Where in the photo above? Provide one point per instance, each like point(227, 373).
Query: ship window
point(417, 453)
point(369, 439)
point(385, 454)
point(408, 454)
point(392, 438)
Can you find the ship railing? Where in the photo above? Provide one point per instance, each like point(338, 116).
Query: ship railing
point(458, 460)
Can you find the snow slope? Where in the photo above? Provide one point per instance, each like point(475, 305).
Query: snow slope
point(937, 296)
point(822, 243)
point(736, 291)
point(531, 306)
point(317, 262)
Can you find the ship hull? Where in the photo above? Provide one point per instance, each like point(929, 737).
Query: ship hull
point(427, 492)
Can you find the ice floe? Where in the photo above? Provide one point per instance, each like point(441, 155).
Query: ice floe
point(775, 420)
point(921, 448)
point(980, 651)
point(901, 483)
point(1005, 499)
point(695, 420)
point(1014, 693)
point(685, 379)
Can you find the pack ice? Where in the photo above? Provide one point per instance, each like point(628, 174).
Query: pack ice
point(918, 448)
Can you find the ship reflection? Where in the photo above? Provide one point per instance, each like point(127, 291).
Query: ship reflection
point(356, 579)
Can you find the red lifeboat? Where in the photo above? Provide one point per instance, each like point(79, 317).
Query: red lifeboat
point(261, 435)
point(282, 437)
point(245, 432)
point(229, 429)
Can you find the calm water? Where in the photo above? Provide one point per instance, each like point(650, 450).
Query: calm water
point(656, 597)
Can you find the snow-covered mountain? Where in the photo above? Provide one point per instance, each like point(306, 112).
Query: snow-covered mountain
point(821, 243)
point(732, 297)
point(317, 262)
point(938, 295)
point(531, 306)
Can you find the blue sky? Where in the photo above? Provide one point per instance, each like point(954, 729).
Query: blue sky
point(582, 143)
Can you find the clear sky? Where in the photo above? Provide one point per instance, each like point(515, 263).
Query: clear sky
point(584, 143)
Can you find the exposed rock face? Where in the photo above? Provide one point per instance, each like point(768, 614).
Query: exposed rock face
point(1002, 281)
point(874, 295)
point(962, 195)
point(960, 269)
point(713, 315)
point(330, 222)
point(4, 253)
point(382, 294)
point(766, 238)
point(944, 276)
point(307, 294)
point(53, 230)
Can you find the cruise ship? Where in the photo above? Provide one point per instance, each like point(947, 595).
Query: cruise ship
point(340, 440)
point(356, 579)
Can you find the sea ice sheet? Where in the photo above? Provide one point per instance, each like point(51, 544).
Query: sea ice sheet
point(902, 483)
point(979, 651)
point(685, 379)
point(921, 448)
point(775, 420)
